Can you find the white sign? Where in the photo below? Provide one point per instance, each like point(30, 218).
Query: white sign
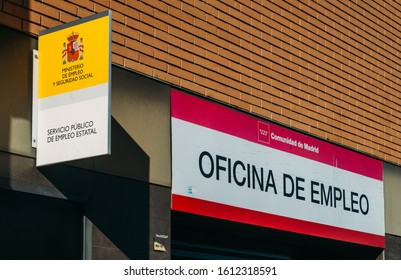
point(232, 166)
point(74, 114)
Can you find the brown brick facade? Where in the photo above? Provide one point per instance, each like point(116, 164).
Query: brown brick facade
point(329, 68)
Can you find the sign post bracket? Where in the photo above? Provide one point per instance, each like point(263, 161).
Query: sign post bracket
point(34, 133)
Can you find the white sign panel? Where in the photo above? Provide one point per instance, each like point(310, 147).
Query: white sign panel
point(232, 166)
point(74, 113)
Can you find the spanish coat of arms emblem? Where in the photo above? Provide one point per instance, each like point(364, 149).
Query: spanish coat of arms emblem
point(74, 49)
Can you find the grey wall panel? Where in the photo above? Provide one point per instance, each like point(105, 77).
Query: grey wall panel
point(392, 195)
point(140, 129)
point(16, 92)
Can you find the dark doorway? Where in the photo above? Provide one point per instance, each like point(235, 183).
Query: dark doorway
point(36, 227)
point(198, 237)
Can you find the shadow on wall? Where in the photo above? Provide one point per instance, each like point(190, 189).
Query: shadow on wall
point(117, 206)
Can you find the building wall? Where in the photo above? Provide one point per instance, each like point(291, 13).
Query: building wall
point(329, 69)
point(16, 92)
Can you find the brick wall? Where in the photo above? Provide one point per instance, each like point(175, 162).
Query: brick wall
point(329, 68)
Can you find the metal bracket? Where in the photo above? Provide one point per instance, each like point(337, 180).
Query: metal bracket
point(35, 59)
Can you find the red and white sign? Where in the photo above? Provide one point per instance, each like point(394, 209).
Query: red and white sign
point(233, 166)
